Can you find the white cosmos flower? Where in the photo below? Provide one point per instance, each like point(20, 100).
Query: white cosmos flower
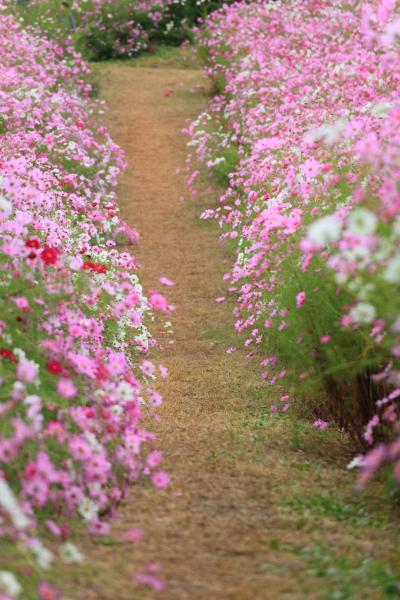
point(341, 278)
point(9, 584)
point(125, 391)
point(359, 254)
point(10, 504)
point(362, 221)
point(88, 509)
point(328, 132)
point(357, 462)
point(5, 205)
point(325, 230)
point(363, 313)
point(365, 292)
point(117, 410)
point(71, 553)
point(396, 227)
point(392, 272)
point(91, 438)
point(44, 557)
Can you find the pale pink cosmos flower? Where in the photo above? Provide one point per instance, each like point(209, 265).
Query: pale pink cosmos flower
point(116, 363)
point(66, 388)
point(147, 368)
point(27, 371)
point(163, 371)
point(157, 584)
point(166, 281)
point(311, 168)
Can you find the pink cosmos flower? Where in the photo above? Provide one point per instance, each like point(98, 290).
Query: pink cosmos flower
point(53, 527)
point(134, 535)
point(154, 459)
point(22, 303)
point(48, 592)
point(300, 299)
point(99, 528)
point(132, 300)
point(75, 330)
point(159, 302)
point(79, 448)
point(320, 424)
point(160, 479)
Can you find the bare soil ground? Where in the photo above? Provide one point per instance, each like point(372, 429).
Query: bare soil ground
point(256, 501)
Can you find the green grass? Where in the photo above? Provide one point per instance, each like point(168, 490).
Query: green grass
point(330, 505)
point(340, 576)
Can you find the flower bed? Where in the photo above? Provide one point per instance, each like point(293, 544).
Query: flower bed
point(303, 131)
point(74, 374)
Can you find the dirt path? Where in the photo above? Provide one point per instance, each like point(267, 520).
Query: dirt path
point(230, 527)
point(206, 537)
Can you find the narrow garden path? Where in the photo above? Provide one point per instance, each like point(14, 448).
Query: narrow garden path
point(245, 517)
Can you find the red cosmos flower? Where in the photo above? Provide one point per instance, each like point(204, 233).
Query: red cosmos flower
point(54, 367)
point(49, 255)
point(101, 373)
point(33, 243)
point(105, 413)
point(94, 267)
point(90, 413)
point(8, 355)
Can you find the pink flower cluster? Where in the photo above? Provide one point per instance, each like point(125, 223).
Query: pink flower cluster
point(73, 369)
point(305, 129)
